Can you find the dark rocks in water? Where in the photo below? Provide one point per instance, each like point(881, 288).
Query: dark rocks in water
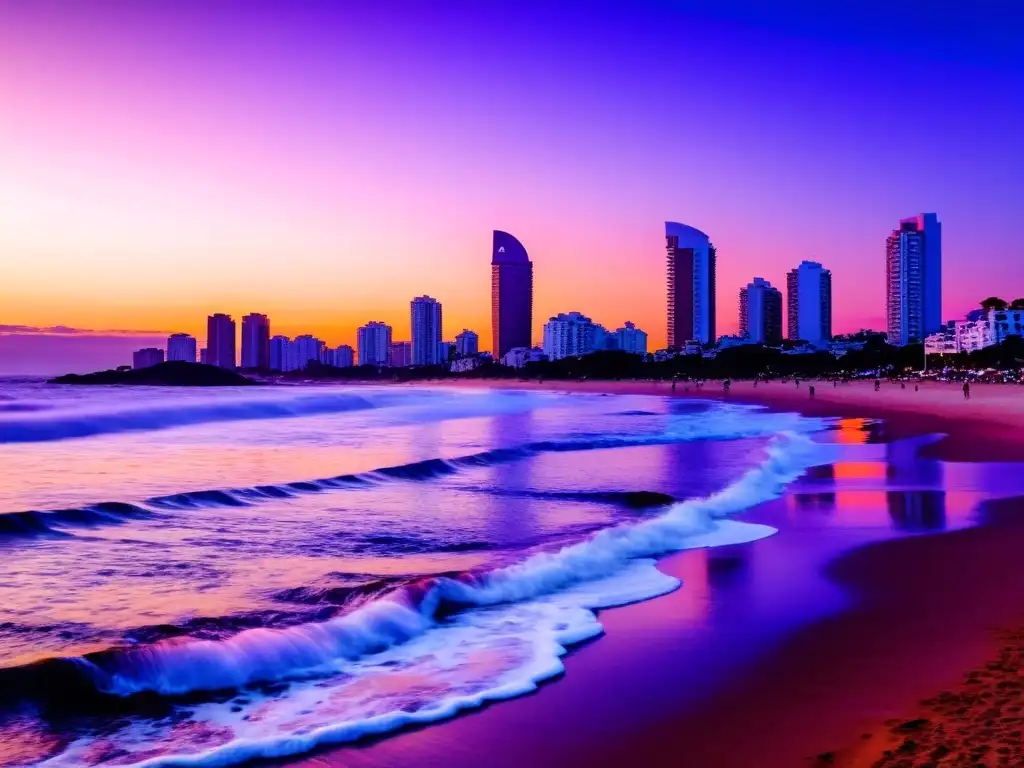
point(170, 374)
point(643, 499)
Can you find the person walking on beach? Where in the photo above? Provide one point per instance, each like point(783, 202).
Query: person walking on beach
point(967, 390)
point(878, 384)
point(810, 391)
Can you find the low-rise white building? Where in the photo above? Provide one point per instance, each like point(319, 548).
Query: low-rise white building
point(518, 357)
point(468, 363)
point(980, 329)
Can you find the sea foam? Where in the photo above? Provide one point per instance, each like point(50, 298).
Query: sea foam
point(422, 653)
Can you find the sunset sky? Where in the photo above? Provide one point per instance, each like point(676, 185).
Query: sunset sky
point(324, 162)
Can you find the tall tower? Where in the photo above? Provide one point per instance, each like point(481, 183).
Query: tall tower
point(761, 312)
point(220, 341)
point(691, 285)
point(511, 295)
point(809, 304)
point(913, 286)
point(256, 341)
point(425, 314)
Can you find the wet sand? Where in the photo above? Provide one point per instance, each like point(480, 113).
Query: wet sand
point(924, 610)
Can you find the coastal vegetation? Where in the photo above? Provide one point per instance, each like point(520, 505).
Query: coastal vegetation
point(169, 374)
point(875, 358)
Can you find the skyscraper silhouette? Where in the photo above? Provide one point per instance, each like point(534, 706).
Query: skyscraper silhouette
point(913, 286)
point(809, 304)
point(220, 341)
point(511, 295)
point(761, 312)
point(256, 341)
point(691, 285)
point(426, 323)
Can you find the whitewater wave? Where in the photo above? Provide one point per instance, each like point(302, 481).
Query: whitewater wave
point(58, 424)
point(29, 424)
point(443, 644)
point(728, 424)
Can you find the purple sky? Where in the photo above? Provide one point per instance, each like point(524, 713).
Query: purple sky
point(326, 161)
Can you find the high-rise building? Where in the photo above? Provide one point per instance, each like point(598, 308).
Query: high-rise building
point(400, 354)
point(373, 341)
point(569, 334)
point(181, 347)
point(691, 285)
point(631, 339)
point(255, 341)
point(343, 357)
point(809, 304)
point(511, 295)
point(308, 349)
point(283, 355)
point(220, 341)
point(761, 312)
point(147, 358)
point(425, 314)
point(913, 287)
point(467, 343)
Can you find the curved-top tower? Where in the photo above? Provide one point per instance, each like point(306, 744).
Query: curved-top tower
point(511, 295)
point(691, 285)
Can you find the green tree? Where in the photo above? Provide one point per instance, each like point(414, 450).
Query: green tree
point(993, 302)
point(1017, 304)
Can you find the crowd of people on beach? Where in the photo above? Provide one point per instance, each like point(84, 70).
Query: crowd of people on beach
point(727, 384)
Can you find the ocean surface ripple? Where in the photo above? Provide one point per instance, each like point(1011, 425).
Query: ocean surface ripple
point(272, 618)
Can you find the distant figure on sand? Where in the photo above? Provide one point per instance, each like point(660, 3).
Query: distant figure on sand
point(673, 386)
point(725, 385)
point(878, 384)
point(798, 383)
point(810, 390)
point(915, 387)
point(903, 385)
point(967, 390)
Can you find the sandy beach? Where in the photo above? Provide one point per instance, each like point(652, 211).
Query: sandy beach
point(921, 669)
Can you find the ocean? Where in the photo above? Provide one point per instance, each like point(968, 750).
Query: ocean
point(207, 577)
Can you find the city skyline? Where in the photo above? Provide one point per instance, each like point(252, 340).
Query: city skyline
point(155, 230)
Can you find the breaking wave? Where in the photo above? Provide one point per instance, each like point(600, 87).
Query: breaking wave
point(58, 424)
point(488, 635)
point(728, 424)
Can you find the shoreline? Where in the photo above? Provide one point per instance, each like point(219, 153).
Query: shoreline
point(988, 419)
point(925, 609)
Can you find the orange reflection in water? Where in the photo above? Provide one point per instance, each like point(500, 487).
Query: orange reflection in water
point(859, 470)
point(852, 431)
